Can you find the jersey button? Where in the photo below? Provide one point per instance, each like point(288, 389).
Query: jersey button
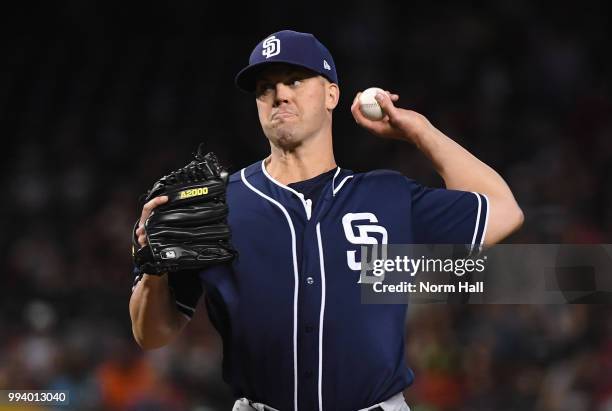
point(308, 374)
point(310, 281)
point(309, 328)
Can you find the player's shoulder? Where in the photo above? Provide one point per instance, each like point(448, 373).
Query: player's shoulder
point(382, 181)
point(247, 172)
point(234, 178)
point(379, 173)
point(381, 176)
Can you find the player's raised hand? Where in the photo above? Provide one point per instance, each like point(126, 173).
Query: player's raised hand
point(397, 123)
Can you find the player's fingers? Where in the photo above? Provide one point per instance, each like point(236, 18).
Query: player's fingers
point(148, 208)
point(375, 127)
point(394, 97)
point(151, 204)
point(386, 104)
point(359, 117)
point(142, 240)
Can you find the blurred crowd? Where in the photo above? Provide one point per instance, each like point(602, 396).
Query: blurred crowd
point(98, 101)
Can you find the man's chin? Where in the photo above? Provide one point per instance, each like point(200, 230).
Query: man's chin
point(286, 140)
point(289, 144)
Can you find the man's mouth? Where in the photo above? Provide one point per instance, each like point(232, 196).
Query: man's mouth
point(279, 115)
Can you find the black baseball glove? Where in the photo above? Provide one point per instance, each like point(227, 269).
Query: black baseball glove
point(190, 230)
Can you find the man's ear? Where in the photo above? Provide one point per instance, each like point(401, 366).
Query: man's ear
point(332, 95)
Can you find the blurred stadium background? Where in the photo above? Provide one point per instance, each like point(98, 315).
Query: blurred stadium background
point(97, 100)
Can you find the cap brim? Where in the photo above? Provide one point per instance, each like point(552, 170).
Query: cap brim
point(245, 79)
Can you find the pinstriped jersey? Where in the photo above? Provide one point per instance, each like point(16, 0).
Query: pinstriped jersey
point(294, 331)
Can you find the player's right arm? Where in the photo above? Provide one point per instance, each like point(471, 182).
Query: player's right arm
point(459, 168)
point(156, 321)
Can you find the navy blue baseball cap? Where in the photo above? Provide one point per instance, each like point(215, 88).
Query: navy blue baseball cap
point(290, 47)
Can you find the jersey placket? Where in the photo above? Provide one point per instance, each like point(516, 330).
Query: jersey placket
point(311, 303)
point(310, 299)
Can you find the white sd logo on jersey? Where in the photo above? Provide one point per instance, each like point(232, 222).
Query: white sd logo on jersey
point(364, 237)
point(271, 47)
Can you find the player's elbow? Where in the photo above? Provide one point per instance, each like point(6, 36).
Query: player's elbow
point(518, 218)
point(148, 344)
point(152, 333)
point(152, 340)
point(142, 340)
point(513, 216)
point(505, 218)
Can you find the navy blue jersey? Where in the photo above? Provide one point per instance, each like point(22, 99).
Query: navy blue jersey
point(295, 334)
point(313, 187)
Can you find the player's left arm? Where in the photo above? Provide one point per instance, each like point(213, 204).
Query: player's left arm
point(460, 169)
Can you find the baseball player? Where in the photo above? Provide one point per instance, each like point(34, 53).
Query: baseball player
point(295, 334)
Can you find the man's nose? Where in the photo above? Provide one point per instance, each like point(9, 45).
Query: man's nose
point(281, 93)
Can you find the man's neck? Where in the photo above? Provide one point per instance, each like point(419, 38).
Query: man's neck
point(304, 162)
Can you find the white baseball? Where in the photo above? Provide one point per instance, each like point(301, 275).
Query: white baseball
point(369, 106)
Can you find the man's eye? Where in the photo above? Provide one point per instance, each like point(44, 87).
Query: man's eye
point(295, 82)
point(265, 88)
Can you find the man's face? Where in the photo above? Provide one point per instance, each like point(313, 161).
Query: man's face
point(293, 104)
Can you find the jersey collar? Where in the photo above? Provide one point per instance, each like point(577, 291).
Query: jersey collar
point(340, 178)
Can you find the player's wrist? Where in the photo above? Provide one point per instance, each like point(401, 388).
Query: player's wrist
point(419, 131)
point(155, 278)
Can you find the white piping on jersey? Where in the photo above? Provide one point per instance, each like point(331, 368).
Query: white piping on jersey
point(484, 230)
point(307, 203)
point(341, 184)
point(185, 306)
point(334, 179)
point(295, 279)
point(321, 315)
point(192, 310)
point(477, 222)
